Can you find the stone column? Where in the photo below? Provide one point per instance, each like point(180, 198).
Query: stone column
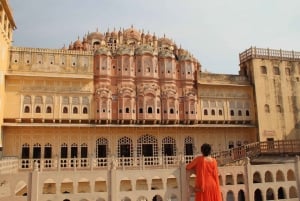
point(297, 173)
point(34, 187)
point(183, 179)
point(112, 191)
point(249, 191)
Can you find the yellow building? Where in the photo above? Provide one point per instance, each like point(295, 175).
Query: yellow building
point(7, 25)
point(117, 115)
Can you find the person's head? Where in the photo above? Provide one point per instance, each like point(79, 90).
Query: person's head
point(205, 149)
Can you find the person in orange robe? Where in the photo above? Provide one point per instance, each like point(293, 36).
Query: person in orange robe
point(207, 181)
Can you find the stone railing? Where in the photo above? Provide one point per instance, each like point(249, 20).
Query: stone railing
point(8, 165)
point(266, 53)
point(211, 78)
point(50, 51)
point(291, 147)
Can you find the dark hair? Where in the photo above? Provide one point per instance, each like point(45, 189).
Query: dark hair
point(206, 149)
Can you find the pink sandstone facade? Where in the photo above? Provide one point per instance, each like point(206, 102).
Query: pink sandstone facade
point(118, 115)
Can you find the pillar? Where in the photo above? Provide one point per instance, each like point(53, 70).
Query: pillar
point(34, 188)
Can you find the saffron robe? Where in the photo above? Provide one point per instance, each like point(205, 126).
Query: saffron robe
point(207, 181)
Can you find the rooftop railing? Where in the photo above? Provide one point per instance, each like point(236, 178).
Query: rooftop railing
point(266, 53)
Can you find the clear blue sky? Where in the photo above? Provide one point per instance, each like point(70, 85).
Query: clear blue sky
point(214, 31)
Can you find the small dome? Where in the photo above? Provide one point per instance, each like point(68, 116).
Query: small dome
point(114, 34)
point(77, 44)
point(165, 41)
point(132, 33)
point(184, 55)
point(149, 37)
point(95, 36)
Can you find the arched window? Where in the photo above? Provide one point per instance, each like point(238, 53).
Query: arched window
point(171, 111)
point(64, 150)
point(188, 146)
point(276, 70)
point(258, 195)
point(205, 112)
point(74, 150)
point(48, 109)
point(220, 112)
point(213, 112)
point(169, 146)
point(38, 109)
point(150, 110)
point(101, 148)
point(84, 150)
point(267, 108)
point(256, 178)
point(127, 110)
point(36, 151)
point(279, 176)
point(263, 70)
point(241, 195)
point(75, 110)
point(268, 177)
point(247, 113)
point(84, 110)
point(240, 113)
point(48, 151)
point(281, 193)
point(25, 151)
point(147, 146)
point(293, 192)
point(26, 109)
point(291, 175)
point(141, 110)
point(125, 148)
point(278, 108)
point(270, 194)
point(65, 110)
point(231, 112)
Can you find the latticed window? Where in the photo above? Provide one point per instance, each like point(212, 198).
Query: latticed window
point(188, 146)
point(147, 146)
point(169, 146)
point(48, 151)
point(36, 151)
point(75, 101)
point(84, 150)
point(213, 104)
point(65, 100)
point(125, 148)
point(38, 100)
point(85, 100)
point(101, 147)
point(49, 100)
point(27, 100)
point(25, 151)
point(64, 150)
point(74, 150)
